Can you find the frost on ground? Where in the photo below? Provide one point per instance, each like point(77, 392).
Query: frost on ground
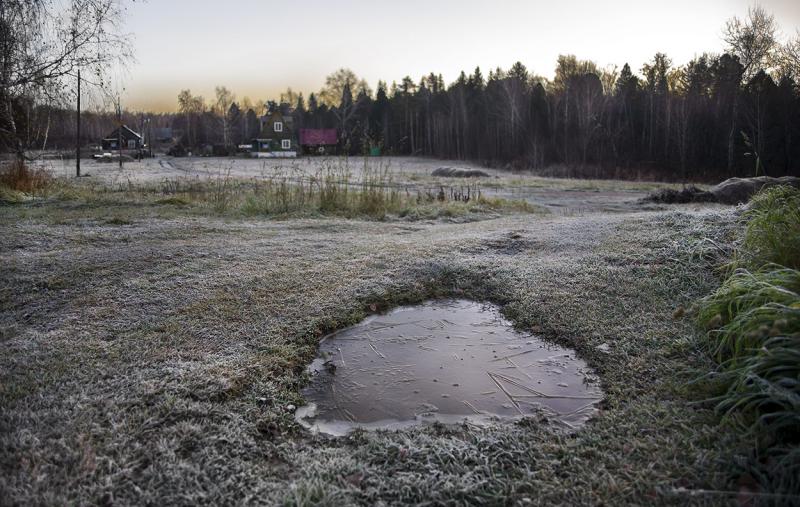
point(156, 361)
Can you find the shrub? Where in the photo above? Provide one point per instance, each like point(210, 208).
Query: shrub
point(19, 177)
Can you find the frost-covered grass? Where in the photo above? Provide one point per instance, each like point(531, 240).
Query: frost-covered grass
point(332, 191)
point(150, 357)
point(405, 168)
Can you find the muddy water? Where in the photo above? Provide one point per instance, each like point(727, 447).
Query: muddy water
point(443, 360)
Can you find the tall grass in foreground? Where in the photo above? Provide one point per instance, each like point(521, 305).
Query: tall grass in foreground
point(749, 308)
point(754, 321)
point(773, 230)
point(753, 332)
point(18, 178)
point(333, 190)
point(330, 191)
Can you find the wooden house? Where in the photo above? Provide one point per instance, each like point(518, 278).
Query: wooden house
point(276, 138)
point(130, 140)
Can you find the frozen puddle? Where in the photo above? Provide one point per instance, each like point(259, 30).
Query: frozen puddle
point(442, 361)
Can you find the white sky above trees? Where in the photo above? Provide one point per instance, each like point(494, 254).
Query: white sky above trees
point(258, 48)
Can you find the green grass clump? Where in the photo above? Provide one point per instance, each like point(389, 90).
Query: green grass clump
point(11, 196)
point(773, 229)
point(753, 332)
point(423, 209)
point(748, 309)
point(765, 385)
point(755, 337)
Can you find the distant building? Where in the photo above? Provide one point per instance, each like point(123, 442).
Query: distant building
point(130, 139)
point(276, 138)
point(318, 140)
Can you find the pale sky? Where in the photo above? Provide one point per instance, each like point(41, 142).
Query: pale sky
point(258, 48)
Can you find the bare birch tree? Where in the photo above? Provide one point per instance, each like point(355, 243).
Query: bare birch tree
point(753, 39)
point(224, 99)
point(790, 57)
point(42, 46)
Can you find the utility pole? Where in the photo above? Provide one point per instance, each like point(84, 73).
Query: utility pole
point(78, 131)
point(119, 131)
point(141, 132)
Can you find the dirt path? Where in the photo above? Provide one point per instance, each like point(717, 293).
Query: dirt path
point(155, 361)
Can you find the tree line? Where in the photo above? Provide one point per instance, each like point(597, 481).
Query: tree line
point(732, 114)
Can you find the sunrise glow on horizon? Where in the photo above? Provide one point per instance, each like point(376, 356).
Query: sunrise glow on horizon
point(258, 49)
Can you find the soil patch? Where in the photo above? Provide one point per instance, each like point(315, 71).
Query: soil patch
point(457, 172)
point(731, 191)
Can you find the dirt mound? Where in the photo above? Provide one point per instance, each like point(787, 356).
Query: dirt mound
point(457, 172)
point(730, 191)
point(739, 190)
point(683, 196)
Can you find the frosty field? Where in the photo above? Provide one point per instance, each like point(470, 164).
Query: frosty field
point(154, 355)
point(563, 196)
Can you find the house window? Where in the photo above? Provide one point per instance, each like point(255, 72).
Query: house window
point(286, 144)
point(278, 126)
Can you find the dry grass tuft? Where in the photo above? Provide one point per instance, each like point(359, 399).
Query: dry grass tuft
point(21, 178)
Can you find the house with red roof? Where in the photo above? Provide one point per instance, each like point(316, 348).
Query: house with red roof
point(318, 140)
